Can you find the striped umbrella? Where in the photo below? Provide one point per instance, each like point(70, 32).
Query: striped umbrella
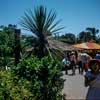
point(87, 45)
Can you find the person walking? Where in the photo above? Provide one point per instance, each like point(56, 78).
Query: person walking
point(92, 79)
point(73, 62)
point(79, 62)
point(84, 58)
point(65, 63)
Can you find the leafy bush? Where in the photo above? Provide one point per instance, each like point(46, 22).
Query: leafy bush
point(6, 46)
point(44, 76)
point(12, 88)
point(32, 79)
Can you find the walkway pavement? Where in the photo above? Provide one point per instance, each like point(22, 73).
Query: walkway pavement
point(74, 87)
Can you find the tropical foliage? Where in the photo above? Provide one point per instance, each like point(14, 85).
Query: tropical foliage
point(13, 88)
point(6, 45)
point(41, 24)
point(32, 79)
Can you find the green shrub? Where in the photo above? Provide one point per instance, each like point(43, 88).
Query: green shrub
point(32, 79)
point(12, 88)
point(44, 76)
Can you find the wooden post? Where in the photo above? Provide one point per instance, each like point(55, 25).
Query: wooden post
point(17, 47)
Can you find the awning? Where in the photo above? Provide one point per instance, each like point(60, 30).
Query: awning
point(87, 45)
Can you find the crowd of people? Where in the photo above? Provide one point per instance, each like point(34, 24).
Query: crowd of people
point(78, 59)
point(88, 64)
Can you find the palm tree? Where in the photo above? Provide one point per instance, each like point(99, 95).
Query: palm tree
point(41, 24)
point(93, 31)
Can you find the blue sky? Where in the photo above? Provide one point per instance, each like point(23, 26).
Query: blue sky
point(76, 15)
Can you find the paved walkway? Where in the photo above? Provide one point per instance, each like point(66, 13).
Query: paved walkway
point(74, 87)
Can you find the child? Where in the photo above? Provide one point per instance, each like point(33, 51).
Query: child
point(92, 79)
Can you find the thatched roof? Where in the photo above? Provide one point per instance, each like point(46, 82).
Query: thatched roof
point(55, 44)
point(59, 45)
point(56, 47)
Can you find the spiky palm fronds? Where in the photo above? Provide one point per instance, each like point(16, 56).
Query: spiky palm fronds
point(41, 24)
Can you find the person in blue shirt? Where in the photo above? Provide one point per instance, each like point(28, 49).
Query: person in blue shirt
point(64, 61)
point(66, 64)
point(92, 79)
point(97, 55)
